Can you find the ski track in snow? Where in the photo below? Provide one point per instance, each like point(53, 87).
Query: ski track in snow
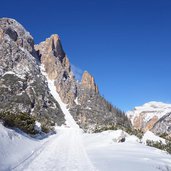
point(65, 152)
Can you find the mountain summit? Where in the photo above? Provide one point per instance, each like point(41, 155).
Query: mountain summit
point(89, 82)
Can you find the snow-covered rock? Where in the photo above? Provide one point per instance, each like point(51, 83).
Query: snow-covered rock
point(114, 136)
point(146, 116)
point(37, 126)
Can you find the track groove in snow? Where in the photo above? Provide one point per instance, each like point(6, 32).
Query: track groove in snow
point(65, 153)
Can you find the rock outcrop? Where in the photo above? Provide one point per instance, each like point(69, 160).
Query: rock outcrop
point(88, 82)
point(163, 125)
point(22, 86)
point(154, 116)
point(57, 67)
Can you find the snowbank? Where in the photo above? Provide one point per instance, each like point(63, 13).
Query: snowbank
point(152, 137)
point(108, 155)
point(14, 147)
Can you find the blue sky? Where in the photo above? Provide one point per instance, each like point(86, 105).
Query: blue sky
point(124, 44)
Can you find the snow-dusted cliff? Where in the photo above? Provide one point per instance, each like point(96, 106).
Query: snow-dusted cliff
point(145, 117)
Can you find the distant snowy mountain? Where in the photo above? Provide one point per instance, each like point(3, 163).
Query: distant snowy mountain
point(149, 115)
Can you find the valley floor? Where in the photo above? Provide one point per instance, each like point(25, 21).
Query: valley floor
point(72, 150)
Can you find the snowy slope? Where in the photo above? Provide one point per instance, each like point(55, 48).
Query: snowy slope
point(128, 156)
point(149, 110)
point(69, 150)
point(16, 147)
point(152, 137)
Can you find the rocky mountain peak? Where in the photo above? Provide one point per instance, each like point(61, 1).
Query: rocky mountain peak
point(88, 82)
point(52, 46)
point(57, 67)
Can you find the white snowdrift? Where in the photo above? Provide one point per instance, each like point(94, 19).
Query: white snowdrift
point(152, 137)
point(108, 155)
point(14, 147)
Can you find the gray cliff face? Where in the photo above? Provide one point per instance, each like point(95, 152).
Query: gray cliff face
point(22, 86)
point(163, 126)
point(86, 105)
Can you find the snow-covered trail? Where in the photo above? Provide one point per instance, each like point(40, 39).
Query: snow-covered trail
point(65, 152)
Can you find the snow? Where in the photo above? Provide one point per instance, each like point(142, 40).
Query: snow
point(13, 73)
point(108, 155)
point(88, 108)
point(64, 153)
point(70, 150)
point(37, 126)
point(76, 101)
point(15, 147)
point(152, 137)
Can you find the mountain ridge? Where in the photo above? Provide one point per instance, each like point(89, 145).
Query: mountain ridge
point(154, 116)
point(18, 54)
point(90, 110)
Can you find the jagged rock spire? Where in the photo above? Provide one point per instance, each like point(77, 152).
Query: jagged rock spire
point(52, 45)
point(57, 67)
point(88, 82)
